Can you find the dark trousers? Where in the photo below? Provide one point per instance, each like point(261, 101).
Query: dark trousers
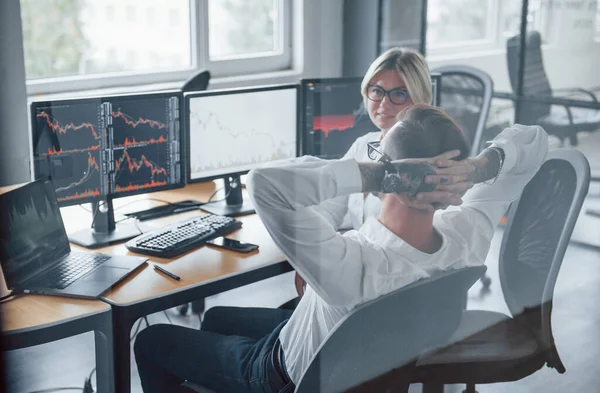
point(230, 354)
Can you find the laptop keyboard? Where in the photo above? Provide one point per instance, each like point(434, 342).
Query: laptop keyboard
point(74, 266)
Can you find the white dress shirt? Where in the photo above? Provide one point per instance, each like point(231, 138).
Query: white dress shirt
point(345, 270)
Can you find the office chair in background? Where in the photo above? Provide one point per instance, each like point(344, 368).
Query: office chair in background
point(491, 347)
point(197, 82)
point(375, 347)
point(466, 96)
point(564, 123)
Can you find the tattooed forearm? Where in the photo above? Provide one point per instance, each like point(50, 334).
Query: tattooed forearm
point(487, 165)
point(372, 174)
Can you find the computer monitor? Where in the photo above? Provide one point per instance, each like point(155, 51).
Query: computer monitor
point(233, 131)
point(97, 149)
point(333, 115)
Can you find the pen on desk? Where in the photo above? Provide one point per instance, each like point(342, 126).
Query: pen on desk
point(168, 273)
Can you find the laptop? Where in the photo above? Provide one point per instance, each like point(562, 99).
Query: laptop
point(35, 253)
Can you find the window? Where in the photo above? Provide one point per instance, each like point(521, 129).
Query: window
point(151, 16)
point(167, 39)
point(232, 34)
point(481, 24)
point(458, 22)
point(174, 18)
point(131, 13)
point(538, 18)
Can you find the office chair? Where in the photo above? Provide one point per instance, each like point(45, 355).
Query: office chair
point(564, 123)
point(491, 347)
point(466, 95)
point(375, 346)
point(197, 82)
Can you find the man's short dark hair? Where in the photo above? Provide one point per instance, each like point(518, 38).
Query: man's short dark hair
point(424, 131)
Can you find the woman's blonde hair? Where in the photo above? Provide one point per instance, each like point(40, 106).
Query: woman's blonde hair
point(411, 66)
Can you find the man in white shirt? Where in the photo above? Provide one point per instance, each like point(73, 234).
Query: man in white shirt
point(260, 350)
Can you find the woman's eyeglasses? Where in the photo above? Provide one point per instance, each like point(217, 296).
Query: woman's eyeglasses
point(397, 96)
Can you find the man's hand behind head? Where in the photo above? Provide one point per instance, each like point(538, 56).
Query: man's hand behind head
point(447, 185)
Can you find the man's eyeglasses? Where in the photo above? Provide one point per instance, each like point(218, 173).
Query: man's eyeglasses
point(377, 93)
point(375, 154)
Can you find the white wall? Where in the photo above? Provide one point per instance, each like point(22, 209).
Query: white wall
point(571, 58)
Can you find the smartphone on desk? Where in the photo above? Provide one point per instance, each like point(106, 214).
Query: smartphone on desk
point(232, 244)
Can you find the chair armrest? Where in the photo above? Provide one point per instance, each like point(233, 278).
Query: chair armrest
point(578, 90)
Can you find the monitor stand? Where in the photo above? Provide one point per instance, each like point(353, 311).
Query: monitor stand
point(104, 231)
point(234, 205)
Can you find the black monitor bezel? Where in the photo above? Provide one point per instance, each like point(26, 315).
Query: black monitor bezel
point(302, 140)
point(208, 93)
point(106, 98)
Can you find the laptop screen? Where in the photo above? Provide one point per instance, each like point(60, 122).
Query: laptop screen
point(32, 234)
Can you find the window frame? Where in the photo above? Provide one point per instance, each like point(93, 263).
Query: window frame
point(199, 55)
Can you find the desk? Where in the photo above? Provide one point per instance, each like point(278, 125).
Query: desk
point(204, 272)
point(29, 320)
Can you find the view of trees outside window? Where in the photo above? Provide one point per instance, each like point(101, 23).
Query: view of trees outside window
point(82, 37)
point(79, 37)
point(242, 27)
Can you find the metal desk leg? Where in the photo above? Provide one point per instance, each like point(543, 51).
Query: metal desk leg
point(104, 356)
point(122, 323)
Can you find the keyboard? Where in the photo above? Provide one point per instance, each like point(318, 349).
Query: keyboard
point(72, 267)
point(183, 236)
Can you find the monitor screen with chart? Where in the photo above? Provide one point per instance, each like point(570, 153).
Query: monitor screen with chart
point(93, 148)
point(234, 131)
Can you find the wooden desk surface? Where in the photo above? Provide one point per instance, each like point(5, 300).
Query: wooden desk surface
point(29, 311)
point(197, 266)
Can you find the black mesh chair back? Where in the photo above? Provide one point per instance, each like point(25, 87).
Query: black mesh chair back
point(535, 80)
point(197, 82)
point(375, 347)
point(538, 230)
point(466, 95)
